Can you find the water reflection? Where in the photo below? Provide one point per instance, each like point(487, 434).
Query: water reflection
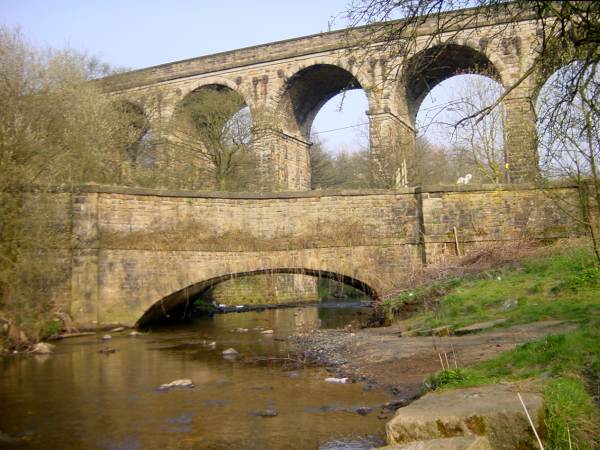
point(79, 399)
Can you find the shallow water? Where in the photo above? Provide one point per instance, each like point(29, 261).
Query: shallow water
point(80, 399)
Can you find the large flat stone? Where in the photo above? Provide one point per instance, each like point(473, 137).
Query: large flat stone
point(455, 443)
point(491, 411)
point(477, 327)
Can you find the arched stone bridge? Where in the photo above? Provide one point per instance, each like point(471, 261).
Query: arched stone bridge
point(138, 253)
point(286, 83)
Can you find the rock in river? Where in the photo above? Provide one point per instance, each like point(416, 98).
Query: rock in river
point(337, 380)
point(182, 383)
point(43, 348)
point(363, 410)
point(106, 350)
point(265, 413)
point(230, 352)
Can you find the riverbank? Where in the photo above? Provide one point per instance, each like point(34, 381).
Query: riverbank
point(534, 318)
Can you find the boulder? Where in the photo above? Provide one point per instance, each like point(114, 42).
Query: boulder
point(494, 412)
point(42, 348)
point(455, 443)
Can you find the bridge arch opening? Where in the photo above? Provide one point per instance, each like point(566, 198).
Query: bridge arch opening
point(431, 66)
point(211, 134)
point(445, 87)
point(307, 91)
point(325, 106)
point(453, 141)
point(176, 306)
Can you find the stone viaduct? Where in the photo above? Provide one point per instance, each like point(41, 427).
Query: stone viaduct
point(285, 84)
point(140, 255)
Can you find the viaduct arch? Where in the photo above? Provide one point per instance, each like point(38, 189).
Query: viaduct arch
point(285, 83)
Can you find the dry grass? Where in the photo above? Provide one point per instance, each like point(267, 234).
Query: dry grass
point(485, 256)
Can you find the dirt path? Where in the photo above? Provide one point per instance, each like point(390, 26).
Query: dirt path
point(382, 357)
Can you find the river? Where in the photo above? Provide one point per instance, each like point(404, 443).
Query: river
point(78, 398)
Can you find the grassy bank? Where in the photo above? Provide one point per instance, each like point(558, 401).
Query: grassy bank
point(561, 283)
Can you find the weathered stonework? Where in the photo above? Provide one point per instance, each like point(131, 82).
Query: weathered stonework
point(285, 84)
point(265, 289)
point(121, 268)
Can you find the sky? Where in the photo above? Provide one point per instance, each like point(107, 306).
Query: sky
point(136, 34)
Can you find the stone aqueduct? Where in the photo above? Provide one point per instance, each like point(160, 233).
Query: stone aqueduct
point(143, 254)
point(285, 84)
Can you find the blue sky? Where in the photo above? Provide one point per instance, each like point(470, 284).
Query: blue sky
point(136, 34)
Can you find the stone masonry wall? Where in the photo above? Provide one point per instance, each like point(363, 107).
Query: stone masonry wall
point(136, 247)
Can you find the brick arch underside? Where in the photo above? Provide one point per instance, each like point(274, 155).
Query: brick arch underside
point(175, 305)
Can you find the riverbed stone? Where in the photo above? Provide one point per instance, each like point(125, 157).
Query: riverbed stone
point(181, 383)
point(230, 352)
point(455, 443)
point(491, 411)
point(43, 348)
point(269, 412)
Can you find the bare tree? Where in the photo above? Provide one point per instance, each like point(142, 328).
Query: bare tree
point(570, 142)
point(56, 128)
point(474, 145)
point(568, 30)
point(211, 133)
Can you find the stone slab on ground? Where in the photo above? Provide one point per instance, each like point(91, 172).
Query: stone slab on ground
point(438, 331)
point(455, 443)
point(491, 411)
point(477, 327)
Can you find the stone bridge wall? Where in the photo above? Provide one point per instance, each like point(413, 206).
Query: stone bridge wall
point(133, 248)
